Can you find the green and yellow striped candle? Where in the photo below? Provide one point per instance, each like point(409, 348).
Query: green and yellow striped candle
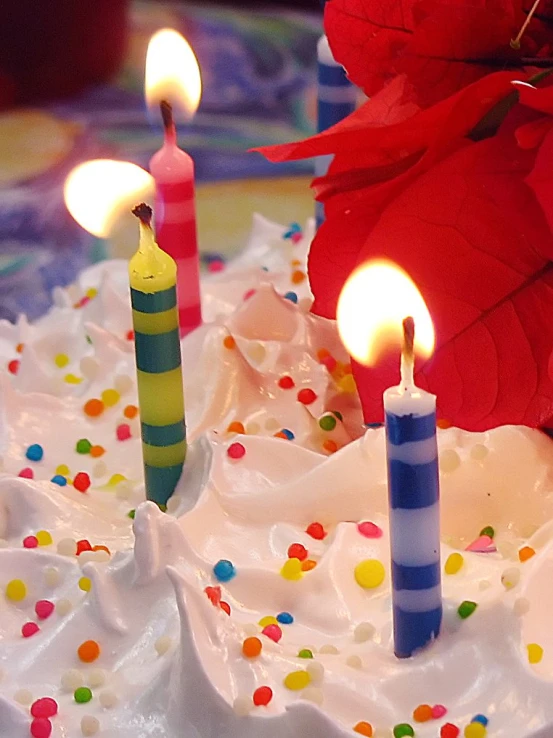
point(153, 280)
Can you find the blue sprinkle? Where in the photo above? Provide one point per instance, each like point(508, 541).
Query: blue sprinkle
point(285, 618)
point(482, 719)
point(288, 433)
point(292, 297)
point(293, 228)
point(35, 452)
point(58, 479)
point(264, 269)
point(374, 425)
point(224, 570)
point(209, 256)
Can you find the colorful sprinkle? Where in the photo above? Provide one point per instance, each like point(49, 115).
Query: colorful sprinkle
point(292, 296)
point(236, 427)
point(41, 727)
point(44, 538)
point(88, 651)
point(82, 545)
point(45, 707)
point(110, 397)
point(286, 433)
point(297, 276)
point(224, 570)
point(249, 293)
point(262, 696)
point(364, 728)
point(510, 577)
point(213, 595)
point(16, 590)
point(347, 384)
point(236, 451)
point(83, 446)
point(369, 530)
point(475, 730)
point(438, 711)
point(251, 647)
point(466, 609)
point(316, 531)
point(43, 610)
point(123, 432)
point(268, 620)
point(97, 451)
point(82, 695)
point(93, 408)
point(488, 531)
point(229, 342)
point(535, 653)
point(72, 379)
point(297, 680)
point(369, 573)
point(130, 411)
point(274, 632)
point(330, 446)
point(61, 360)
point(305, 653)
point(285, 618)
point(454, 563)
point(403, 729)
point(297, 551)
point(225, 607)
point(35, 452)
point(85, 584)
point(26, 473)
point(81, 482)
point(525, 553)
point(327, 422)
point(422, 714)
point(449, 731)
point(30, 542)
point(482, 719)
point(292, 570)
point(306, 396)
point(29, 629)
point(286, 382)
point(59, 480)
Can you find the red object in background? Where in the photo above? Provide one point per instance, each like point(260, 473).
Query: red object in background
point(54, 48)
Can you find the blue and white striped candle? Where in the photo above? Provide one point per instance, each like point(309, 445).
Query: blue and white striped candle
point(413, 489)
point(336, 98)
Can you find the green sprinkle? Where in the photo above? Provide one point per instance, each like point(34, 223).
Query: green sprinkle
point(305, 653)
point(337, 414)
point(162, 507)
point(488, 531)
point(327, 422)
point(83, 446)
point(403, 729)
point(88, 339)
point(82, 695)
point(466, 609)
point(131, 514)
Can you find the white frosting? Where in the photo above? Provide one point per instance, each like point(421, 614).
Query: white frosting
point(171, 661)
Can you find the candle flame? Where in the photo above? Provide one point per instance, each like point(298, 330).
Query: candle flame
point(374, 302)
point(172, 72)
point(98, 192)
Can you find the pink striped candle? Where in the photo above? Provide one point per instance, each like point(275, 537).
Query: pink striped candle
point(175, 208)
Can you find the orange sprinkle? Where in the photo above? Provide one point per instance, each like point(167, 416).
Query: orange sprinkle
point(525, 553)
point(422, 713)
point(308, 564)
point(251, 647)
point(297, 276)
point(295, 262)
point(225, 606)
point(101, 548)
point(322, 353)
point(347, 368)
point(97, 451)
point(131, 411)
point(229, 342)
point(19, 348)
point(93, 408)
point(88, 651)
point(280, 434)
point(236, 427)
point(364, 729)
point(330, 446)
point(443, 423)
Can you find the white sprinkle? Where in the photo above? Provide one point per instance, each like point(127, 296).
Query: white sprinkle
point(86, 557)
point(2, 674)
point(256, 352)
point(313, 694)
point(96, 678)
point(521, 606)
point(90, 725)
point(242, 705)
point(101, 556)
point(52, 577)
point(124, 490)
point(363, 632)
point(316, 671)
point(122, 383)
point(327, 648)
point(108, 699)
point(484, 584)
point(272, 424)
point(163, 644)
point(382, 733)
point(64, 607)
point(354, 662)
point(99, 469)
point(253, 428)
point(250, 629)
point(510, 577)
point(89, 367)
point(23, 697)
point(72, 680)
point(478, 452)
point(67, 547)
point(449, 460)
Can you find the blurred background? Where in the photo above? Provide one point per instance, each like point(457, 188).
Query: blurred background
point(71, 89)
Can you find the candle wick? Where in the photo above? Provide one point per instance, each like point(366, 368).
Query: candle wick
point(408, 354)
point(515, 42)
point(144, 214)
point(168, 121)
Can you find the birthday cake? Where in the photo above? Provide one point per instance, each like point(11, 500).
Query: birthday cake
point(258, 604)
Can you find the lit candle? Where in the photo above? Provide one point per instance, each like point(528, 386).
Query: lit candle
point(386, 294)
point(152, 275)
point(172, 73)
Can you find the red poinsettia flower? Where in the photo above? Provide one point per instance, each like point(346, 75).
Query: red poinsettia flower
point(441, 45)
point(469, 216)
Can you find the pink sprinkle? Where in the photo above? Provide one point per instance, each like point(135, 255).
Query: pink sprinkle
point(483, 544)
point(30, 542)
point(84, 300)
point(45, 707)
point(41, 728)
point(123, 432)
point(248, 294)
point(29, 629)
point(438, 711)
point(43, 609)
point(26, 473)
point(296, 237)
point(273, 632)
point(216, 266)
point(236, 451)
point(369, 530)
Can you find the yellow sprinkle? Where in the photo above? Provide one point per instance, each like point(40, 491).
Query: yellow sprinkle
point(62, 469)
point(475, 730)
point(44, 538)
point(292, 570)
point(91, 292)
point(535, 653)
point(454, 563)
point(85, 584)
point(61, 360)
point(16, 590)
point(110, 397)
point(297, 680)
point(268, 620)
point(347, 384)
point(115, 479)
point(72, 379)
point(369, 573)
